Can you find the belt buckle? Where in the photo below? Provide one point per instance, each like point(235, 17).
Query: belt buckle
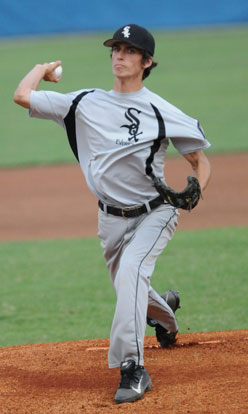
point(133, 209)
point(126, 210)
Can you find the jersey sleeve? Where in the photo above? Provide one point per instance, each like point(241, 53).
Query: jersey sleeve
point(50, 105)
point(186, 133)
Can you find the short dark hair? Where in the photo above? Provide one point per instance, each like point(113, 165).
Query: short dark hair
point(145, 57)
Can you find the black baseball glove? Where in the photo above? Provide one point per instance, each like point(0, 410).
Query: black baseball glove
point(186, 199)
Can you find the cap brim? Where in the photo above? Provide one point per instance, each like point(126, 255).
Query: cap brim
point(109, 42)
point(112, 42)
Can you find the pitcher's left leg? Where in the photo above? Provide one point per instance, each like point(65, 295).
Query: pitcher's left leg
point(132, 284)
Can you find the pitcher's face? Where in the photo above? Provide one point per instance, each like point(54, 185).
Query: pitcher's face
point(127, 61)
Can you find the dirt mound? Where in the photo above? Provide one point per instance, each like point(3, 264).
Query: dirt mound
point(202, 373)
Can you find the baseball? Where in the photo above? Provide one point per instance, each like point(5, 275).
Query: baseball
point(58, 71)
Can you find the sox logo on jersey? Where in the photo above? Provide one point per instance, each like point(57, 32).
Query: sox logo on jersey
point(134, 125)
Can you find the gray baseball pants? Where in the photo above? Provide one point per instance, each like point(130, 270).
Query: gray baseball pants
point(131, 247)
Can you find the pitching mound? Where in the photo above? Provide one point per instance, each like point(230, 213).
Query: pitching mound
point(203, 373)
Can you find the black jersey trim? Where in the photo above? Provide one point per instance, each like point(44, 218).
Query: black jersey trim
point(70, 122)
point(157, 141)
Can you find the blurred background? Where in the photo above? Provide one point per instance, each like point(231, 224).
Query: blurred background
point(75, 16)
point(56, 289)
point(201, 48)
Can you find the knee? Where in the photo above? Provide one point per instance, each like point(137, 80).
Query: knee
point(129, 267)
point(129, 273)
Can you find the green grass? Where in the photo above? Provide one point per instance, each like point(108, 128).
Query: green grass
point(203, 72)
point(59, 290)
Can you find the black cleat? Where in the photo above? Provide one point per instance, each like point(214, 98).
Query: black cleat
point(135, 381)
point(165, 337)
point(172, 298)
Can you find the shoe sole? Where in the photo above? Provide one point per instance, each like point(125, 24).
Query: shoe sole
point(135, 397)
point(169, 296)
point(172, 298)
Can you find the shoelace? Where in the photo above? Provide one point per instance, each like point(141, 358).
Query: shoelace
point(126, 377)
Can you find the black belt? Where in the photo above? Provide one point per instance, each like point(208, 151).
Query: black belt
point(135, 211)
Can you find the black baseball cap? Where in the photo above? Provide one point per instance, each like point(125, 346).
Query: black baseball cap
point(134, 35)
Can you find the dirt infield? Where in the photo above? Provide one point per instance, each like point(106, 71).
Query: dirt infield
point(49, 202)
point(204, 373)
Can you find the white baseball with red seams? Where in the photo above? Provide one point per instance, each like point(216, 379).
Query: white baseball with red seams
point(58, 71)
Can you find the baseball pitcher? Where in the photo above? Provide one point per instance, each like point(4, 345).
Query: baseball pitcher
point(120, 138)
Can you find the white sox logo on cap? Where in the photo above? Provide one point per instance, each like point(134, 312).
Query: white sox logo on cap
point(135, 36)
point(126, 31)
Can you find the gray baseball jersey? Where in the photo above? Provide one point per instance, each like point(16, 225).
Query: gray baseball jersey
point(112, 128)
point(119, 139)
